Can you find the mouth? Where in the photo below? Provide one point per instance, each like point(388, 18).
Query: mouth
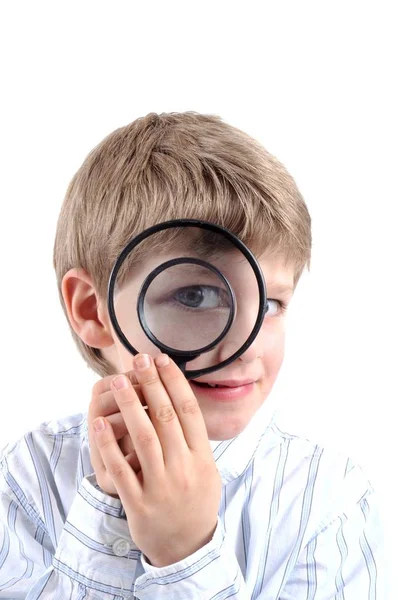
point(223, 384)
point(223, 391)
point(207, 385)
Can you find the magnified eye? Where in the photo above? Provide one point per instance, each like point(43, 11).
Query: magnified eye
point(202, 296)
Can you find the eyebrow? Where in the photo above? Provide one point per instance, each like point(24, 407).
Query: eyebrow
point(191, 269)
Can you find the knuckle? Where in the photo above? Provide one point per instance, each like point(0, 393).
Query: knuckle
point(104, 444)
point(117, 470)
point(165, 413)
point(145, 439)
point(189, 407)
point(185, 482)
point(173, 376)
point(151, 381)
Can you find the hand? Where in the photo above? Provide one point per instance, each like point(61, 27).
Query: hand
point(103, 403)
point(172, 503)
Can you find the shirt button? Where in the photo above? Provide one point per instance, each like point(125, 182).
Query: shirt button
point(121, 547)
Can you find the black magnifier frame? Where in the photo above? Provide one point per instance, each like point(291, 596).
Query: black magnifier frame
point(263, 303)
point(185, 355)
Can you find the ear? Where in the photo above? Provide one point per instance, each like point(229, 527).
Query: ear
point(85, 314)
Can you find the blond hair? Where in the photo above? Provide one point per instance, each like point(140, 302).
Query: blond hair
point(169, 166)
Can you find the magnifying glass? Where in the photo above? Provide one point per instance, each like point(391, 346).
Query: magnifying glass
point(187, 285)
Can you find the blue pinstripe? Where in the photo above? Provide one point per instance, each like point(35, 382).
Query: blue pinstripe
point(246, 533)
point(341, 543)
point(311, 570)
point(56, 452)
point(230, 591)
point(367, 553)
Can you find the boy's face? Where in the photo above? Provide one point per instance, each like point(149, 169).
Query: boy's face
point(224, 417)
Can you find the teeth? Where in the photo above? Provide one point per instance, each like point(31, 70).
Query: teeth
point(213, 385)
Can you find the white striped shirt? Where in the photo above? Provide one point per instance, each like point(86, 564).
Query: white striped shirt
point(296, 521)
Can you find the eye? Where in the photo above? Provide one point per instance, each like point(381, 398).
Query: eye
point(275, 307)
point(201, 296)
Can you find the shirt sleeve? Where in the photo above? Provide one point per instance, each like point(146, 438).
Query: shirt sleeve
point(94, 559)
point(345, 560)
point(86, 563)
point(212, 572)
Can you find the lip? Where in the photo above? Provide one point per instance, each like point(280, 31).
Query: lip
point(231, 383)
point(224, 394)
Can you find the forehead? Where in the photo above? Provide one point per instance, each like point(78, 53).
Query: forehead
point(278, 274)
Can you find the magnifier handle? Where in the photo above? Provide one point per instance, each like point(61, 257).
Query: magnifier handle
point(182, 366)
point(181, 361)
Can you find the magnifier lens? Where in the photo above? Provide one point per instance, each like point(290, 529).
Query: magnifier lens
point(187, 306)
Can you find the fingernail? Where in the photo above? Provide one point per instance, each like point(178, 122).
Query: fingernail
point(120, 382)
point(162, 360)
point(99, 424)
point(142, 362)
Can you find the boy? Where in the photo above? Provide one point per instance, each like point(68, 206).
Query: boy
point(191, 497)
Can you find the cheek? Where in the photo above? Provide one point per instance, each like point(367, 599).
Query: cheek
point(125, 358)
point(141, 343)
point(273, 346)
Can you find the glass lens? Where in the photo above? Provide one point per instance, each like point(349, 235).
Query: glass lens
point(187, 306)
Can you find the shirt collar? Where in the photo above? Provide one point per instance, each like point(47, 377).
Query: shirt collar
point(234, 455)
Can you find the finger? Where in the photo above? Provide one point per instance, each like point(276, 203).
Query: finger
point(123, 477)
point(121, 434)
point(140, 428)
point(185, 404)
point(105, 404)
point(104, 384)
point(102, 476)
point(128, 451)
point(160, 407)
point(120, 431)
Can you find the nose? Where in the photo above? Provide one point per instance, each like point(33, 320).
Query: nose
point(235, 339)
point(252, 353)
point(248, 356)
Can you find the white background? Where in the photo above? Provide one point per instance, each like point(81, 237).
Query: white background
point(315, 82)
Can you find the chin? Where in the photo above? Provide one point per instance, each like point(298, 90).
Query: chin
point(226, 427)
